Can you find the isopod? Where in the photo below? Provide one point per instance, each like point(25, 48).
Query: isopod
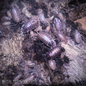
point(52, 64)
point(15, 12)
point(61, 17)
point(30, 63)
point(9, 14)
point(42, 76)
point(17, 77)
point(54, 52)
point(62, 55)
point(47, 39)
point(47, 29)
point(77, 36)
point(29, 25)
point(29, 79)
point(60, 35)
point(6, 23)
point(5, 18)
point(41, 16)
point(58, 24)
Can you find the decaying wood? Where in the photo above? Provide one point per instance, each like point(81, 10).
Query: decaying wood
point(77, 66)
point(24, 58)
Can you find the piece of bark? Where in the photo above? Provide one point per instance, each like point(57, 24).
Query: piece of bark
point(83, 22)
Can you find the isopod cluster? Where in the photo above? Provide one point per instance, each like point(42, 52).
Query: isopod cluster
point(55, 49)
point(54, 25)
point(12, 14)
